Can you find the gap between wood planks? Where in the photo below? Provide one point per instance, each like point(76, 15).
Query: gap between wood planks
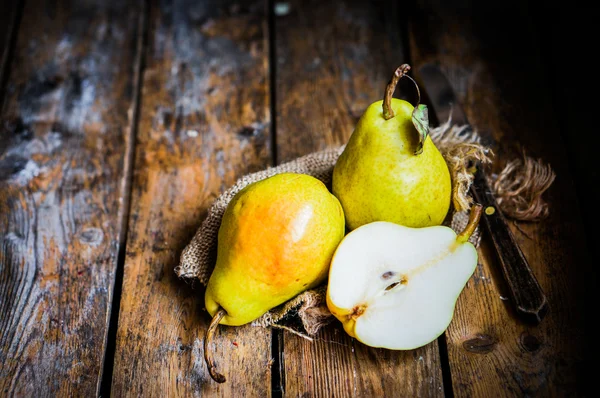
point(105, 382)
point(14, 20)
point(277, 370)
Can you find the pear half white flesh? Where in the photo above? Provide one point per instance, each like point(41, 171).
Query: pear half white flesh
point(396, 287)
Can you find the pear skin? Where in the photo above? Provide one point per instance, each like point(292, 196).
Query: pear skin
point(276, 239)
point(378, 176)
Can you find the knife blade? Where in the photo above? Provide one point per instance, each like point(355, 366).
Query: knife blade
point(526, 294)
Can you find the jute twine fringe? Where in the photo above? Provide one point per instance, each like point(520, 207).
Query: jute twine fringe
point(518, 189)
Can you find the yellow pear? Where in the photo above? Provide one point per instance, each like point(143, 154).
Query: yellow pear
point(276, 239)
point(396, 287)
point(390, 169)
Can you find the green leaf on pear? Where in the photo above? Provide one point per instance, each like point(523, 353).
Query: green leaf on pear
point(420, 119)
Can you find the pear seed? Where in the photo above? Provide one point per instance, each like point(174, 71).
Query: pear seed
point(387, 275)
point(403, 281)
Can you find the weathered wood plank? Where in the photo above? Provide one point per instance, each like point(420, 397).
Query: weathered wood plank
point(496, 73)
point(333, 59)
point(62, 146)
point(204, 121)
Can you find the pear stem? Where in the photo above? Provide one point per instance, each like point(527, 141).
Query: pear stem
point(474, 218)
point(399, 73)
point(219, 378)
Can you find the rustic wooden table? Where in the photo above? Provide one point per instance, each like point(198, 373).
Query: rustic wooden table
point(122, 120)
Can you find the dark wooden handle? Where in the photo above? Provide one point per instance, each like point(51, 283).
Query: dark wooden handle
point(529, 300)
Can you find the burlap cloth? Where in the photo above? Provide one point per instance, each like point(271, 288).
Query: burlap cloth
point(518, 189)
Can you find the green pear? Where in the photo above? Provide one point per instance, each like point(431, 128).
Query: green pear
point(390, 169)
point(276, 239)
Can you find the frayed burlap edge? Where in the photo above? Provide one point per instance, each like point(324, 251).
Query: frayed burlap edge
point(461, 148)
point(518, 189)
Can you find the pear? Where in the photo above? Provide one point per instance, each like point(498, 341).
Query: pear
point(276, 239)
point(390, 169)
point(396, 287)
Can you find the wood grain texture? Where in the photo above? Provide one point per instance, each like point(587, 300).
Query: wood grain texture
point(333, 59)
point(501, 84)
point(204, 121)
point(62, 145)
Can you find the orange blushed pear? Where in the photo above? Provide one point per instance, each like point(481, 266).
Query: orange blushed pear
point(276, 239)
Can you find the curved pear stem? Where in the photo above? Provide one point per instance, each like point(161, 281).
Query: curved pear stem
point(399, 73)
point(474, 218)
point(420, 114)
point(219, 378)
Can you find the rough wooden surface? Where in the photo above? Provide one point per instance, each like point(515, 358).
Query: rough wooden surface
point(204, 121)
point(491, 352)
point(74, 100)
point(64, 122)
point(332, 61)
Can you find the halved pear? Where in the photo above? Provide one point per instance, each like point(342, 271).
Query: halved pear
point(396, 287)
